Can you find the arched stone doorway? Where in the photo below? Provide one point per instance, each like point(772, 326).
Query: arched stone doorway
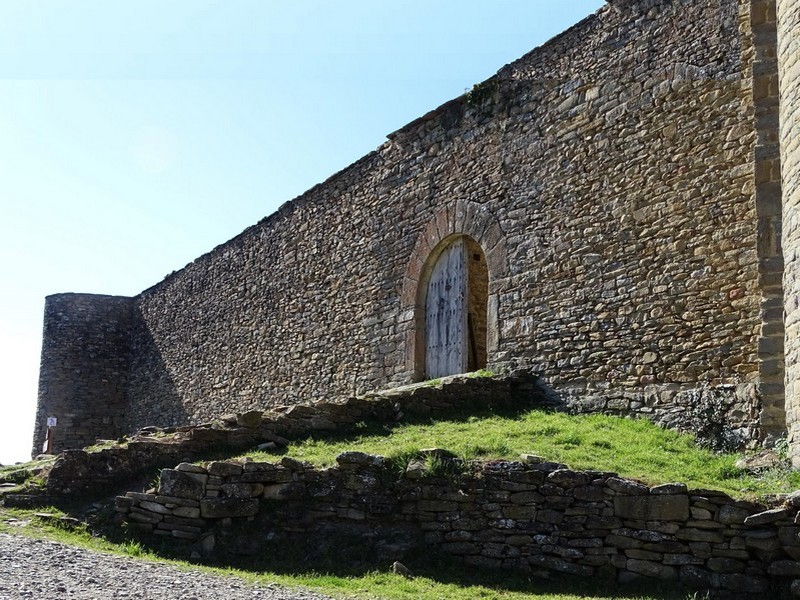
point(455, 288)
point(481, 232)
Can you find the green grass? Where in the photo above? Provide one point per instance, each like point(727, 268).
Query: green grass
point(22, 468)
point(24, 475)
point(633, 448)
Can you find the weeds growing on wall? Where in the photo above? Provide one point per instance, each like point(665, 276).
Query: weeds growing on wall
point(452, 469)
point(480, 97)
point(481, 373)
point(397, 463)
point(706, 416)
point(436, 465)
point(782, 448)
point(155, 482)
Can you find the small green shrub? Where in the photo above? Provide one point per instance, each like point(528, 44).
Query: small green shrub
point(397, 463)
point(481, 373)
point(782, 448)
point(452, 469)
point(155, 482)
point(133, 548)
point(480, 98)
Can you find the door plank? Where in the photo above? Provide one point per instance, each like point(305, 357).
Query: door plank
point(446, 314)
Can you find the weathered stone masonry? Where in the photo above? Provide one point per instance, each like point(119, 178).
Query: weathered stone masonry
point(789, 60)
point(620, 181)
point(534, 516)
point(84, 368)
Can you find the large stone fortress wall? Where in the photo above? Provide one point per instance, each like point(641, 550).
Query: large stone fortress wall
point(610, 179)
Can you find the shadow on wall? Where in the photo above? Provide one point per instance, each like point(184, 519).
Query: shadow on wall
point(153, 397)
point(355, 549)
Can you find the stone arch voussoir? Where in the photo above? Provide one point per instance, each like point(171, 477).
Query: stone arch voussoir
point(462, 217)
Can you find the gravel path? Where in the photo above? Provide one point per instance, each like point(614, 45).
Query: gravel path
point(45, 570)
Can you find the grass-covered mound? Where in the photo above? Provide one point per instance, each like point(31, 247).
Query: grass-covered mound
point(631, 447)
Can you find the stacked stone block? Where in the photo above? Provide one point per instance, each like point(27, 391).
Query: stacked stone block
point(762, 66)
point(712, 415)
point(532, 516)
point(80, 472)
point(175, 510)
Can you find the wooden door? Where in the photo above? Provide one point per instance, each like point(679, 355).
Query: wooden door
point(446, 314)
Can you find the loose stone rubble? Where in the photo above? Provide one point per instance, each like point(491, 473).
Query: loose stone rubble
point(31, 568)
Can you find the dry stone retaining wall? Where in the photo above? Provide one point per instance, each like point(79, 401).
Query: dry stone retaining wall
point(80, 472)
point(532, 516)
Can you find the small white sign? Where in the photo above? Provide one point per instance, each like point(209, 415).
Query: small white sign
point(52, 421)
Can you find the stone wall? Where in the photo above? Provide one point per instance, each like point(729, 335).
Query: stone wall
point(763, 71)
point(644, 39)
point(84, 369)
point(614, 203)
point(789, 61)
point(620, 181)
point(720, 418)
point(533, 516)
point(723, 417)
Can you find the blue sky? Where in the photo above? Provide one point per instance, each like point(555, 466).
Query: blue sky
point(136, 136)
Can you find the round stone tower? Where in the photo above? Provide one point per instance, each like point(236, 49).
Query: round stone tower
point(84, 370)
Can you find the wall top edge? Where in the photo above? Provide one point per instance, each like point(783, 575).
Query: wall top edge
point(86, 296)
